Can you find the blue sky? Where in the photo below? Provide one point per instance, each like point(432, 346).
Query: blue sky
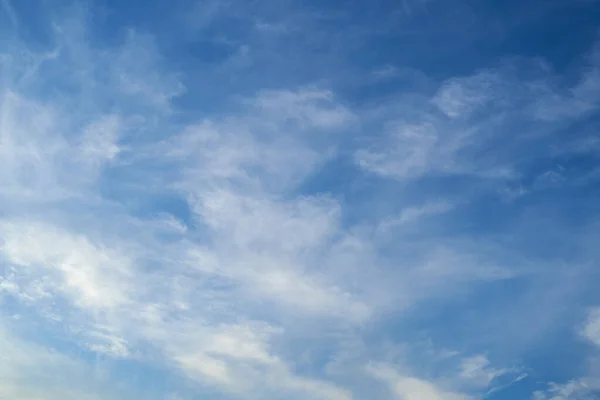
point(305, 200)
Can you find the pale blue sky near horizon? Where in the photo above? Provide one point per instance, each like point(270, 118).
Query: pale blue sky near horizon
point(305, 200)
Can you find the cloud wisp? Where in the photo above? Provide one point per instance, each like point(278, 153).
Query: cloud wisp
point(183, 216)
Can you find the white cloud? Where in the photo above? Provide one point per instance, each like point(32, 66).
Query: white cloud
point(317, 108)
point(201, 367)
point(28, 147)
point(586, 387)
point(135, 73)
point(251, 266)
point(31, 371)
point(450, 134)
point(56, 148)
point(477, 371)
point(231, 152)
point(68, 264)
point(250, 250)
point(461, 97)
point(104, 340)
point(420, 371)
point(415, 213)
point(236, 358)
point(410, 388)
point(119, 303)
point(576, 101)
point(99, 141)
point(409, 152)
point(386, 72)
point(591, 331)
point(235, 172)
point(577, 389)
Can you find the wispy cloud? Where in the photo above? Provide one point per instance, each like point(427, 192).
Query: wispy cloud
point(587, 386)
point(10, 12)
point(181, 204)
point(93, 277)
point(591, 331)
point(31, 371)
point(478, 115)
point(410, 388)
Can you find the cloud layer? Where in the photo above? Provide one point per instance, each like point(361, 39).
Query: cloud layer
point(190, 209)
